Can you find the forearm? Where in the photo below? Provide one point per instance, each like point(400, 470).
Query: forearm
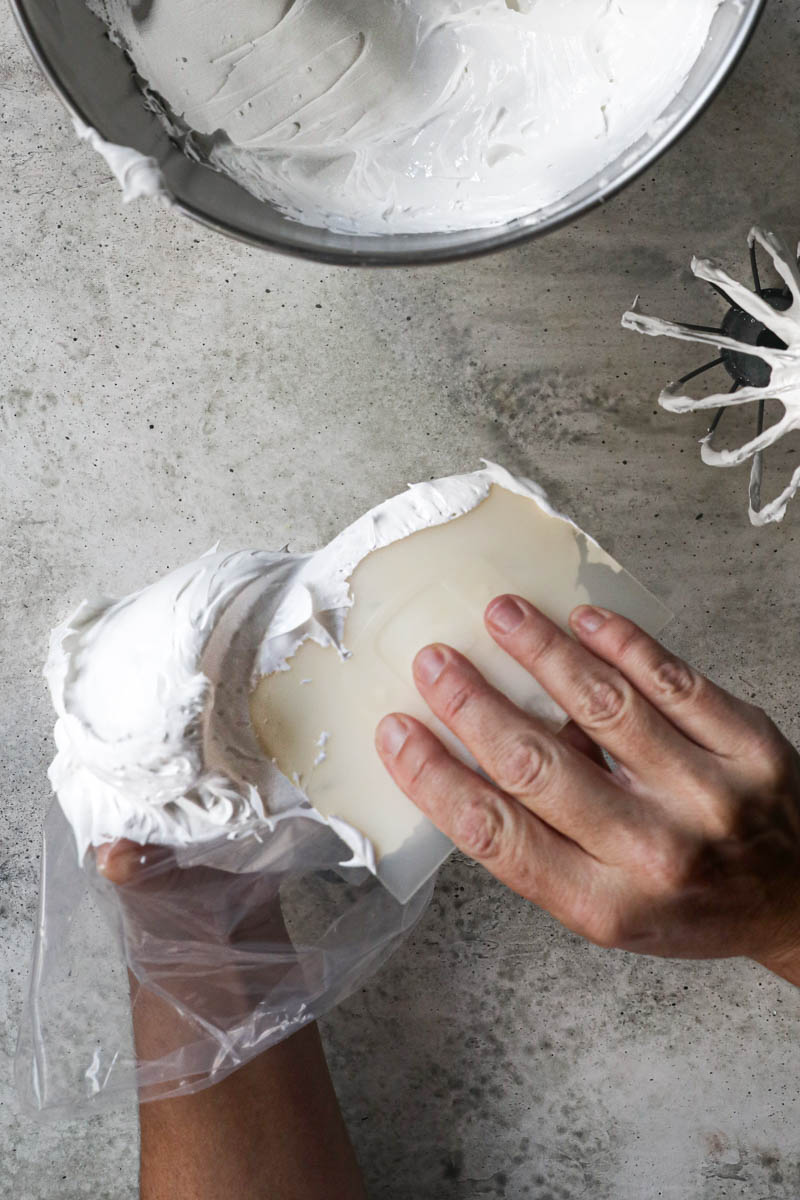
point(271, 1129)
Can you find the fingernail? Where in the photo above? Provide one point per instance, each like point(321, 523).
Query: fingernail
point(589, 619)
point(429, 664)
point(392, 733)
point(505, 614)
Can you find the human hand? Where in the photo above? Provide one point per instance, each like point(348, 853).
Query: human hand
point(191, 903)
point(688, 847)
point(210, 942)
point(206, 948)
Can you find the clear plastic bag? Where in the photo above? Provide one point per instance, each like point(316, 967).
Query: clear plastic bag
point(235, 944)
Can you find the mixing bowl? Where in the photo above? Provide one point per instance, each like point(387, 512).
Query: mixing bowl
point(94, 79)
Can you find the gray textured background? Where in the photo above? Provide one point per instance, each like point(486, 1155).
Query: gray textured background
point(162, 387)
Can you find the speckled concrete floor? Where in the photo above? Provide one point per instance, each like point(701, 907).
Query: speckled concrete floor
point(162, 387)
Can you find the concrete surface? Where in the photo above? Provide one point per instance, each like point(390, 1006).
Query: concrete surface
point(162, 387)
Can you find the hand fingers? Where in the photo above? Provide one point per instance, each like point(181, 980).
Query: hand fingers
point(197, 903)
point(127, 863)
point(707, 714)
point(596, 696)
point(562, 786)
point(574, 736)
point(511, 842)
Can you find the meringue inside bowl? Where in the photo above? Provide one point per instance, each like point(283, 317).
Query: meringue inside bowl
point(106, 87)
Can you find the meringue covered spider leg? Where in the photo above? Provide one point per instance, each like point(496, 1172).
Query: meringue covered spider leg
point(786, 324)
point(780, 323)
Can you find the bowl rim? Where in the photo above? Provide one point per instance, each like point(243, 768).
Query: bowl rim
point(514, 233)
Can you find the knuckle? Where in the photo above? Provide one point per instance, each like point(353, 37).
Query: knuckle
point(524, 765)
point(479, 827)
point(707, 783)
point(581, 916)
point(719, 811)
point(417, 764)
point(762, 751)
point(626, 639)
point(718, 802)
point(605, 933)
point(601, 926)
point(604, 703)
point(662, 864)
point(545, 641)
point(774, 758)
point(676, 682)
point(459, 697)
point(621, 931)
point(730, 821)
